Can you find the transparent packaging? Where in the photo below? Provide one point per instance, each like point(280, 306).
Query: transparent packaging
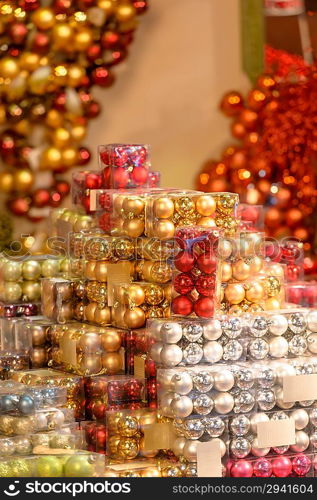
point(253, 215)
point(19, 309)
point(95, 435)
point(124, 165)
point(126, 433)
point(42, 420)
point(60, 298)
point(64, 221)
point(290, 253)
point(68, 437)
point(75, 464)
point(148, 468)
point(13, 338)
point(195, 285)
point(47, 377)
point(205, 390)
point(186, 342)
point(133, 303)
point(17, 399)
point(104, 393)
point(36, 327)
point(87, 350)
point(83, 183)
point(166, 212)
point(295, 465)
point(20, 279)
point(301, 293)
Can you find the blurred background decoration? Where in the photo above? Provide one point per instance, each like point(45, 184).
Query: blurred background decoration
point(51, 55)
point(273, 159)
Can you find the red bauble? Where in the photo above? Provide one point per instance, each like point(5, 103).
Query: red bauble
point(105, 222)
point(62, 187)
point(293, 272)
point(93, 109)
point(101, 437)
point(18, 32)
point(98, 409)
point(62, 6)
point(133, 390)
point(182, 305)
point(205, 285)
point(29, 5)
point(120, 177)
point(204, 307)
point(301, 464)
point(92, 181)
point(41, 197)
point(60, 101)
point(94, 52)
point(282, 467)
point(241, 468)
point(151, 389)
point(41, 42)
point(184, 261)
point(139, 176)
point(115, 392)
point(110, 40)
point(183, 283)
point(262, 468)
point(232, 103)
point(207, 262)
point(19, 206)
point(101, 76)
point(84, 156)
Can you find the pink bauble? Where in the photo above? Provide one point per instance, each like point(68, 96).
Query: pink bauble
point(242, 468)
point(262, 468)
point(301, 464)
point(282, 467)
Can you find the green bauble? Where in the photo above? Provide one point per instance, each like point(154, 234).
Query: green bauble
point(78, 466)
point(5, 470)
point(21, 468)
point(49, 466)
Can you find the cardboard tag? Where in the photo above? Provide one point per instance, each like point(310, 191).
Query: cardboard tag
point(131, 466)
point(209, 459)
point(276, 433)
point(93, 200)
point(139, 366)
point(158, 436)
point(43, 450)
point(299, 388)
point(116, 274)
point(68, 350)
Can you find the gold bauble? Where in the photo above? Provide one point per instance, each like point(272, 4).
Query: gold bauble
point(31, 270)
point(11, 271)
point(111, 340)
point(113, 444)
point(23, 180)
point(90, 310)
point(147, 453)
point(226, 203)
point(9, 67)
point(118, 202)
point(133, 205)
point(6, 181)
point(89, 342)
point(12, 292)
point(163, 208)
point(150, 472)
point(236, 310)
point(128, 426)
point(272, 304)
point(234, 293)
point(125, 12)
point(117, 315)
point(160, 272)
point(255, 292)
point(276, 270)
point(255, 264)
point(240, 270)
point(164, 229)
point(226, 271)
point(83, 39)
point(75, 75)
point(61, 137)
point(39, 357)
point(78, 132)
point(112, 362)
point(90, 365)
point(102, 316)
point(29, 61)
point(133, 227)
point(50, 268)
point(134, 294)
point(62, 34)
point(154, 295)
point(83, 222)
point(184, 206)
point(224, 249)
point(54, 118)
point(31, 291)
point(69, 157)
point(43, 18)
point(38, 333)
point(134, 318)
point(101, 271)
point(128, 448)
point(206, 222)
point(51, 158)
point(205, 205)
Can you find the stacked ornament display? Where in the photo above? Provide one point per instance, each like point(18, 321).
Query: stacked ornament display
point(166, 331)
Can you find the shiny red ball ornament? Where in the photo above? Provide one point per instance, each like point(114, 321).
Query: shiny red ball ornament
point(282, 467)
point(105, 222)
point(101, 438)
point(84, 156)
point(93, 181)
point(62, 6)
point(101, 76)
point(62, 187)
point(205, 285)
point(94, 52)
point(207, 262)
point(120, 177)
point(60, 101)
point(241, 468)
point(301, 464)
point(19, 206)
point(140, 6)
point(41, 197)
point(18, 32)
point(110, 40)
point(293, 272)
point(232, 103)
point(115, 392)
point(98, 409)
point(262, 468)
point(184, 261)
point(41, 42)
point(204, 307)
point(139, 176)
point(183, 283)
point(29, 5)
point(182, 305)
point(93, 109)
point(133, 390)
